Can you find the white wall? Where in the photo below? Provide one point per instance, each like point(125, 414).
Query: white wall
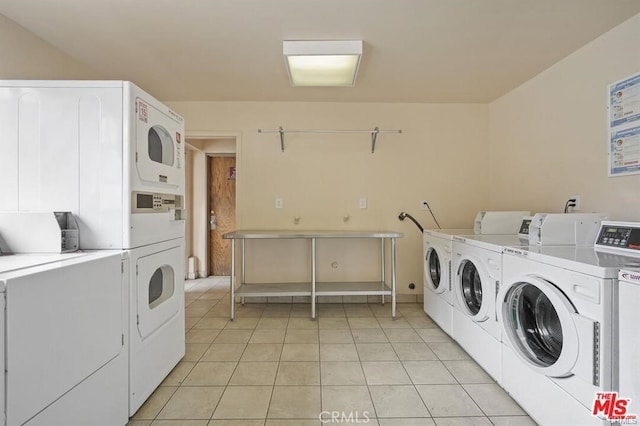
point(549, 136)
point(441, 156)
point(24, 56)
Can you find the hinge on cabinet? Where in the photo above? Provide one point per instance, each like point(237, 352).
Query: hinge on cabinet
point(596, 354)
point(136, 156)
point(138, 319)
point(123, 340)
point(136, 269)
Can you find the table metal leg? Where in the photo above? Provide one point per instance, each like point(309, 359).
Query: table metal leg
point(313, 278)
point(242, 268)
point(232, 281)
point(382, 261)
point(393, 277)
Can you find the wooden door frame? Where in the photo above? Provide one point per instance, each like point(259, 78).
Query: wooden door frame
point(200, 222)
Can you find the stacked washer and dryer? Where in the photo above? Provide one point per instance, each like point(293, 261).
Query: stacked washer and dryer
point(114, 156)
point(558, 311)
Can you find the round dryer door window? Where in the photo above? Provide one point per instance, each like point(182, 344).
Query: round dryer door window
point(432, 263)
point(471, 287)
point(538, 321)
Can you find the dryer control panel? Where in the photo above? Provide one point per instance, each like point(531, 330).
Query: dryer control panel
point(147, 202)
point(619, 236)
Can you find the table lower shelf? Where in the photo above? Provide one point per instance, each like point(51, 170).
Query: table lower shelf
point(364, 288)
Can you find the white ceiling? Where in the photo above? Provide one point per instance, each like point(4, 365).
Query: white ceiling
point(231, 50)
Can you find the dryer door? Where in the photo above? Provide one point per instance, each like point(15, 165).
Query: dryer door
point(158, 296)
point(435, 270)
point(539, 322)
point(159, 147)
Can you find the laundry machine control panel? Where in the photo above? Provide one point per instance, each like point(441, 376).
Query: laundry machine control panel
point(627, 237)
point(147, 202)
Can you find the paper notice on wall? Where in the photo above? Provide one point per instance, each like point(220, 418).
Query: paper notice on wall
point(625, 151)
point(624, 126)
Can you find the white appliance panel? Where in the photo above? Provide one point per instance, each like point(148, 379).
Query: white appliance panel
point(63, 324)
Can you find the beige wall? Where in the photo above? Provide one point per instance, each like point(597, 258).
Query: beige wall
point(530, 150)
point(549, 136)
point(441, 156)
point(27, 57)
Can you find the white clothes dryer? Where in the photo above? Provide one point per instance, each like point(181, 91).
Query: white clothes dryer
point(556, 310)
point(106, 151)
point(156, 326)
point(63, 339)
point(437, 247)
point(476, 276)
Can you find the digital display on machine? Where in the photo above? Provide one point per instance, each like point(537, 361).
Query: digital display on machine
point(524, 226)
point(144, 201)
point(623, 237)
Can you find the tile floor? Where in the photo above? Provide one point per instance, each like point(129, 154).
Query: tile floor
point(273, 366)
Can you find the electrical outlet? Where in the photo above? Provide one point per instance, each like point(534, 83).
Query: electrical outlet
point(363, 203)
point(577, 202)
point(424, 205)
point(279, 203)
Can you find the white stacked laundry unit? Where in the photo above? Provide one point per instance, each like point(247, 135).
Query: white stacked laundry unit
point(114, 156)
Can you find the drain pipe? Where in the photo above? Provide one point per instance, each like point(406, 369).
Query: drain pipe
point(404, 215)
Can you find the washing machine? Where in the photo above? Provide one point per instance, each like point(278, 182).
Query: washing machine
point(628, 341)
point(437, 246)
point(436, 255)
point(556, 309)
point(476, 276)
point(64, 357)
point(106, 151)
point(156, 326)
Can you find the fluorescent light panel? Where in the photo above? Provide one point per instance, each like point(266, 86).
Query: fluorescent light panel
point(322, 63)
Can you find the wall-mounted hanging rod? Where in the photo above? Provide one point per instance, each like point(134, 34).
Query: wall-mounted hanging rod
point(374, 134)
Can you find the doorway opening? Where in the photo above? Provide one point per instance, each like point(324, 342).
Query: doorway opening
point(211, 186)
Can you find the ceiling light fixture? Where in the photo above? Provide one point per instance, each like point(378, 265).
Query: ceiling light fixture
point(322, 63)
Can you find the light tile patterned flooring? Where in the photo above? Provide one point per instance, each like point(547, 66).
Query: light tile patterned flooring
point(273, 366)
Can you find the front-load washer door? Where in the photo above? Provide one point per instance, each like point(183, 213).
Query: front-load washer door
point(159, 147)
point(472, 289)
point(542, 326)
point(158, 295)
point(435, 271)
